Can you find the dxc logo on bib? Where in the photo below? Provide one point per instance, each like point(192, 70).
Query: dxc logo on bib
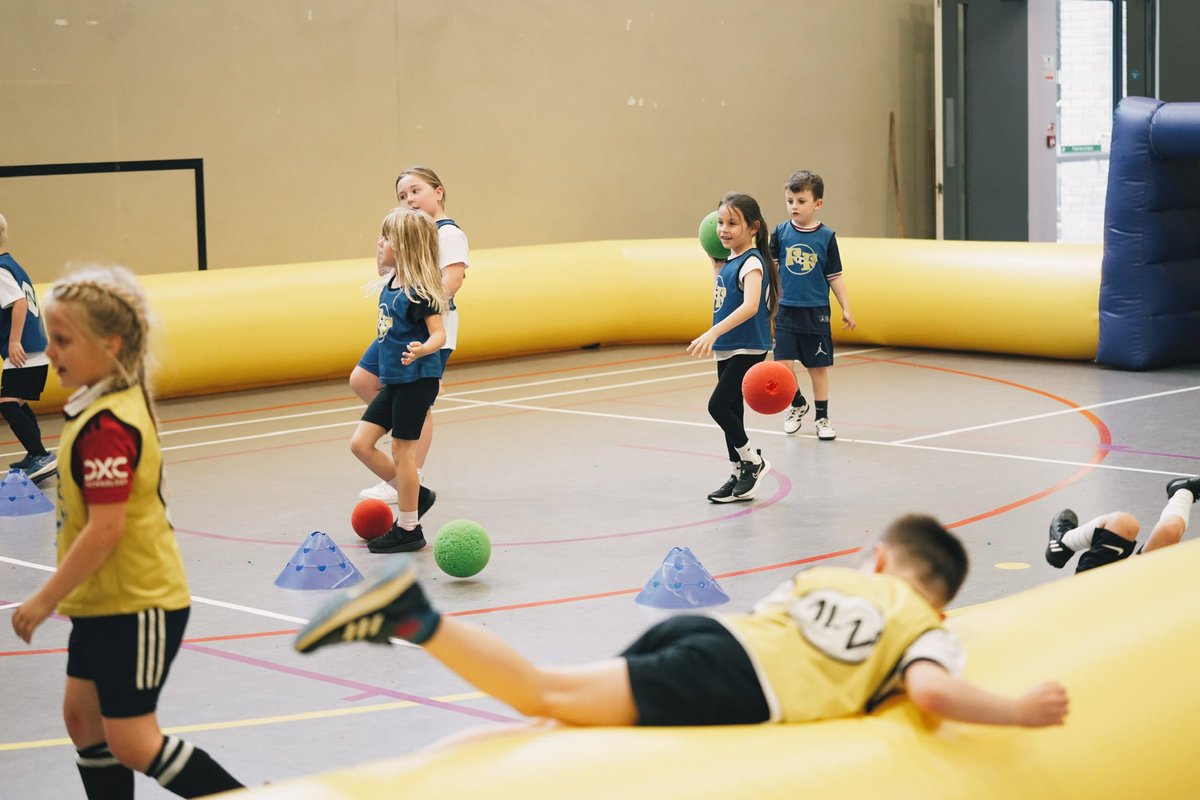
point(106, 471)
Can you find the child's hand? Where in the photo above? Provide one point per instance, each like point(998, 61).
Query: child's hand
point(16, 354)
point(1045, 704)
point(412, 353)
point(702, 345)
point(28, 616)
point(848, 322)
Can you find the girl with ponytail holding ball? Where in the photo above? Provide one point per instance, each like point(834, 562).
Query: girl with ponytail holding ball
point(745, 296)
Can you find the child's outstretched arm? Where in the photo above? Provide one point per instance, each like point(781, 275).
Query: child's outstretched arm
point(437, 338)
point(97, 540)
point(702, 345)
point(936, 691)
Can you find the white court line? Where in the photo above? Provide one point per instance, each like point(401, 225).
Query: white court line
point(1048, 414)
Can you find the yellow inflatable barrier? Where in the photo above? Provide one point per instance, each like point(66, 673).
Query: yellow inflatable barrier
point(257, 326)
point(1124, 640)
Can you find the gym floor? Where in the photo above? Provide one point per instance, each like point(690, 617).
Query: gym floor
point(586, 468)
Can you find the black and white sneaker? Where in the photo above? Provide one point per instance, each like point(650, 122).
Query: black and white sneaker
point(1191, 484)
point(1058, 554)
point(391, 605)
point(791, 423)
point(23, 464)
point(725, 493)
point(750, 475)
point(41, 467)
point(398, 540)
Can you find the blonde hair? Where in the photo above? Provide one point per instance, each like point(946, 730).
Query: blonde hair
point(413, 236)
point(107, 301)
point(3, 231)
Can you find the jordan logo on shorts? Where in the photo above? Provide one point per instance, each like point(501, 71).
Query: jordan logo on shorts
point(820, 350)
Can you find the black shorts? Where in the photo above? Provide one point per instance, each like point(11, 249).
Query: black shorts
point(401, 407)
point(127, 656)
point(1107, 548)
point(690, 670)
point(26, 383)
point(803, 334)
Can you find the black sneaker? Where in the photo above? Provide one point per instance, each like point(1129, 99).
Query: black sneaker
point(42, 467)
point(425, 499)
point(1191, 484)
point(725, 493)
point(391, 605)
point(1058, 554)
point(750, 475)
point(398, 540)
point(23, 464)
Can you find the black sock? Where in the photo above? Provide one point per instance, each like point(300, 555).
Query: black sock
point(798, 400)
point(104, 778)
point(822, 409)
point(23, 421)
point(188, 771)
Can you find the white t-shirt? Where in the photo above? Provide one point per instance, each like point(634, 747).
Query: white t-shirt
point(452, 249)
point(10, 293)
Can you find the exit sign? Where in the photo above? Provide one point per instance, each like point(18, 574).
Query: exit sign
point(1081, 148)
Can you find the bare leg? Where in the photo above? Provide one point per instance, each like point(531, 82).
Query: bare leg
point(364, 384)
point(820, 383)
point(591, 694)
point(362, 445)
point(81, 713)
point(408, 485)
point(135, 741)
point(1173, 522)
point(426, 440)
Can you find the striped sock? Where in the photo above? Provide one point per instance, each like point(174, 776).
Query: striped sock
point(188, 771)
point(104, 778)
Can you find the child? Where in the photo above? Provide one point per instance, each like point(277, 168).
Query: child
point(420, 188)
point(745, 294)
point(831, 642)
point(120, 577)
point(25, 362)
point(411, 332)
point(1111, 537)
point(810, 265)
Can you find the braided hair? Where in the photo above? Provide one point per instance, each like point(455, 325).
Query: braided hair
point(107, 301)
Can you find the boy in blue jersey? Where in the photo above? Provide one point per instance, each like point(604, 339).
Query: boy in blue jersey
point(809, 267)
point(25, 363)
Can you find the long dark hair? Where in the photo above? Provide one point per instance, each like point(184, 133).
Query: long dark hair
point(747, 206)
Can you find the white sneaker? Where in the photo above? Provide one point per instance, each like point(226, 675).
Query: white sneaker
point(825, 430)
point(381, 491)
point(791, 423)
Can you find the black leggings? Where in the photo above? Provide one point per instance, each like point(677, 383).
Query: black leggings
point(726, 406)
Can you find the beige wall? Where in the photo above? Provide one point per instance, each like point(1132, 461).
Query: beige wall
point(549, 121)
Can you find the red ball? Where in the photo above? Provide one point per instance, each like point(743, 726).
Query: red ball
point(371, 519)
point(769, 387)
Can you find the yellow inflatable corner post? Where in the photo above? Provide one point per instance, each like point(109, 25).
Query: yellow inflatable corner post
point(229, 329)
point(1124, 640)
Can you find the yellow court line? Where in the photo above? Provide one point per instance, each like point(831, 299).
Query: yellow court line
point(247, 723)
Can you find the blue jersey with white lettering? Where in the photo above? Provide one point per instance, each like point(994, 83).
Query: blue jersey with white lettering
point(401, 321)
point(33, 335)
point(808, 260)
point(728, 296)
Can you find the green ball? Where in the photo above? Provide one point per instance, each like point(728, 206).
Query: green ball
point(708, 237)
point(462, 548)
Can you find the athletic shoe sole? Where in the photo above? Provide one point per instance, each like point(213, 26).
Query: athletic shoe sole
point(359, 602)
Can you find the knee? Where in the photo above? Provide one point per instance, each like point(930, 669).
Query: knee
point(1122, 524)
point(135, 752)
point(83, 731)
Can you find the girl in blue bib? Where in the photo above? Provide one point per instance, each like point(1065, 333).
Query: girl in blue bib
point(745, 296)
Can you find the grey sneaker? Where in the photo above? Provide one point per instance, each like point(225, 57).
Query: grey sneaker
point(41, 467)
point(391, 605)
point(750, 475)
point(1058, 554)
point(825, 431)
point(791, 423)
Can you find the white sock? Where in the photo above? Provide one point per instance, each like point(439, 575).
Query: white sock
point(1081, 537)
point(407, 520)
point(748, 453)
point(1180, 505)
point(420, 476)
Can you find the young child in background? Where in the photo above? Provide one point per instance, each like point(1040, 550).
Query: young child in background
point(420, 188)
point(745, 294)
point(809, 267)
point(831, 642)
point(120, 577)
point(25, 362)
point(1111, 537)
point(411, 333)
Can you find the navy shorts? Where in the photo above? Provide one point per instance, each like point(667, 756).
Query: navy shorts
point(127, 656)
point(26, 383)
point(690, 670)
point(803, 334)
point(401, 407)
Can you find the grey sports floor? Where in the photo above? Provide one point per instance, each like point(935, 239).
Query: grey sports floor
point(586, 468)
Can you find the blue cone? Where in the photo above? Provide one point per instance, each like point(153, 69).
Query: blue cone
point(318, 564)
point(681, 582)
point(19, 496)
